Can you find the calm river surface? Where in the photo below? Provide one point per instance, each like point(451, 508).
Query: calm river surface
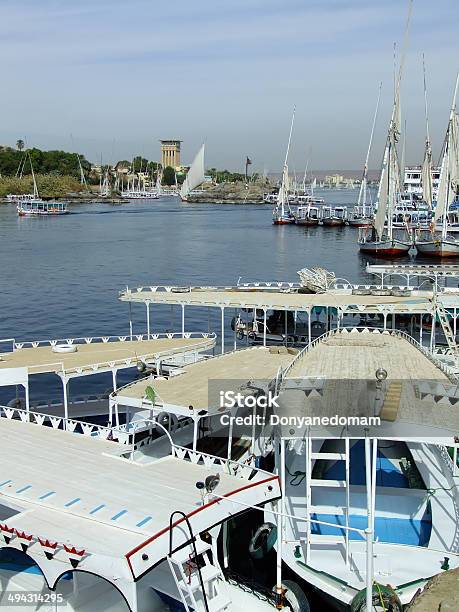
point(61, 275)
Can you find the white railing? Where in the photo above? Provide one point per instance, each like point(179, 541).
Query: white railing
point(107, 339)
point(71, 425)
point(228, 466)
point(282, 373)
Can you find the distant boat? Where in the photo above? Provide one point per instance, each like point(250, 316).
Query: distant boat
point(195, 176)
point(36, 207)
point(362, 214)
point(381, 240)
point(136, 189)
point(444, 245)
point(282, 213)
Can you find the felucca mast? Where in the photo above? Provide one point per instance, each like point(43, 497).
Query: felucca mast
point(282, 197)
point(426, 172)
point(362, 201)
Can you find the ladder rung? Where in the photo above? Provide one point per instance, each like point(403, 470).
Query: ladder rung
point(318, 482)
point(208, 572)
point(330, 456)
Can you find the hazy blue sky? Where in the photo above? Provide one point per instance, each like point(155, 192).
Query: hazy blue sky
point(115, 76)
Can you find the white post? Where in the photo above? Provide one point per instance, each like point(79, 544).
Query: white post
point(114, 379)
point(420, 331)
point(264, 326)
point(454, 322)
point(223, 329)
point(195, 432)
point(148, 319)
point(309, 326)
point(183, 320)
point(348, 501)
point(385, 320)
point(432, 332)
point(130, 321)
point(66, 405)
point(230, 438)
point(27, 398)
point(252, 444)
point(280, 521)
point(370, 519)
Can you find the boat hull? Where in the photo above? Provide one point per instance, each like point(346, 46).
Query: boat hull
point(333, 222)
point(386, 248)
point(307, 222)
point(283, 221)
point(438, 248)
point(360, 222)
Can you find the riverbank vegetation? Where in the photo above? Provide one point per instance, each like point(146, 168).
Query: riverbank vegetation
point(49, 185)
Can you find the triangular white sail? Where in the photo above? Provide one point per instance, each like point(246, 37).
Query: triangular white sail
point(449, 172)
point(195, 176)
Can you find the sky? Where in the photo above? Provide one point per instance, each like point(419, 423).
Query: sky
point(110, 78)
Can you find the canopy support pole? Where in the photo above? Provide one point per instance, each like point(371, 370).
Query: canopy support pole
point(223, 329)
point(130, 321)
point(148, 319)
point(183, 320)
point(264, 326)
point(66, 403)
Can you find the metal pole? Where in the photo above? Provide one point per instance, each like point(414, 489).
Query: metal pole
point(130, 321)
point(183, 320)
point(230, 439)
point(27, 398)
point(223, 329)
point(114, 379)
point(280, 521)
point(369, 530)
point(420, 331)
point(148, 319)
point(195, 433)
point(66, 406)
point(309, 326)
point(264, 326)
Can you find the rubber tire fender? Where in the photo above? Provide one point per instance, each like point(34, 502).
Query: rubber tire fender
point(295, 597)
point(262, 540)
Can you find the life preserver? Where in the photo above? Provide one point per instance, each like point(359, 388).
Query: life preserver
point(262, 540)
point(252, 335)
point(381, 594)
point(17, 402)
point(240, 334)
point(167, 420)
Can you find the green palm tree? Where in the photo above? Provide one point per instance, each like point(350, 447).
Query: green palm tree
point(20, 144)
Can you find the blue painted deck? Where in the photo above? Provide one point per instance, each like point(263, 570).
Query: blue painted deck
point(387, 530)
point(387, 473)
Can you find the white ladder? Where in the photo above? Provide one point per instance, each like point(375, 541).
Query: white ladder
point(184, 567)
point(322, 482)
point(450, 339)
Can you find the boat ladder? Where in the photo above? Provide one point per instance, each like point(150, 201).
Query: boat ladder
point(450, 339)
point(185, 564)
point(342, 455)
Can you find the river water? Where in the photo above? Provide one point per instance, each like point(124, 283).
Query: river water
point(61, 275)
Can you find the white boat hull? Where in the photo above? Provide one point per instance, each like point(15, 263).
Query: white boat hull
point(438, 248)
point(386, 248)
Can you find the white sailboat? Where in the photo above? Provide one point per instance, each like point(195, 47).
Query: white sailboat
point(443, 245)
point(37, 207)
point(362, 214)
point(195, 176)
point(382, 240)
point(282, 213)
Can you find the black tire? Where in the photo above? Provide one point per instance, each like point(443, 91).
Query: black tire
point(263, 540)
point(295, 597)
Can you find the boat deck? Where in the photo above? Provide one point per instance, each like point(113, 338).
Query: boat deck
point(191, 387)
point(343, 366)
point(273, 299)
point(110, 507)
point(358, 355)
point(96, 356)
